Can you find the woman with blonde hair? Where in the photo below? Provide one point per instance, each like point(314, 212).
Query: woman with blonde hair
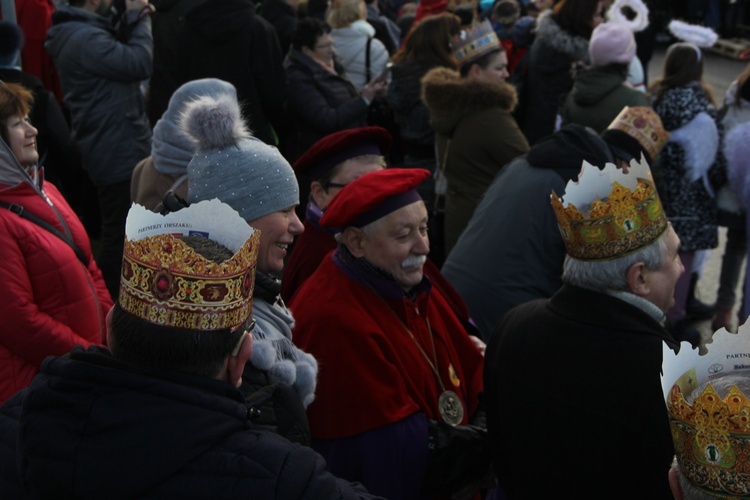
point(362, 55)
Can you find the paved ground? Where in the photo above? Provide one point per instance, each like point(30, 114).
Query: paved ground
point(719, 71)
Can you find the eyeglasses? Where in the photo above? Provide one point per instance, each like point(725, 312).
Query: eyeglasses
point(325, 46)
point(248, 328)
point(336, 185)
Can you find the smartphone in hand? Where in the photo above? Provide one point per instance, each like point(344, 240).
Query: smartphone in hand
point(386, 71)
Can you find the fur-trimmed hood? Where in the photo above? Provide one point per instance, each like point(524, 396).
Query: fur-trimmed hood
point(549, 33)
point(450, 97)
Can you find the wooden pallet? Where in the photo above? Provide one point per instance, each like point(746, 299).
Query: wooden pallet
point(735, 48)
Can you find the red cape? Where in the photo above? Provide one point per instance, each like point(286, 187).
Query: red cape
point(371, 371)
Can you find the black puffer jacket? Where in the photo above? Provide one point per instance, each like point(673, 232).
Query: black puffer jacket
point(549, 77)
point(320, 102)
point(90, 426)
point(222, 39)
point(404, 97)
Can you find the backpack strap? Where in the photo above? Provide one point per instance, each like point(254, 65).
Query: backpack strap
point(368, 75)
point(25, 214)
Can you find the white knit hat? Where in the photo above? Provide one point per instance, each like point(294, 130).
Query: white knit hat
point(611, 43)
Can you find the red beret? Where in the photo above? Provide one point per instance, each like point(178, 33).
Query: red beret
point(373, 196)
point(429, 8)
point(340, 146)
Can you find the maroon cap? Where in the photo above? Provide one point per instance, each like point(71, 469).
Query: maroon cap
point(429, 8)
point(373, 196)
point(341, 146)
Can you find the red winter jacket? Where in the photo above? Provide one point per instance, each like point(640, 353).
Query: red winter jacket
point(49, 301)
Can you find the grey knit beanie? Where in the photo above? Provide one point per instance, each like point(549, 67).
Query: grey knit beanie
point(231, 165)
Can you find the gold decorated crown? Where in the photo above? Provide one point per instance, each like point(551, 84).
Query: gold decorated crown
point(475, 42)
point(711, 434)
point(608, 214)
point(644, 125)
point(166, 282)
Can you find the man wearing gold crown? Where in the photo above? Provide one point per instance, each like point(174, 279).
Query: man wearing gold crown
point(161, 415)
point(574, 400)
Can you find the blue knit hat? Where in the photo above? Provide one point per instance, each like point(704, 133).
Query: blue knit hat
point(231, 165)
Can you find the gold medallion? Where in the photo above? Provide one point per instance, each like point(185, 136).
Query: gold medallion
point(451, 408)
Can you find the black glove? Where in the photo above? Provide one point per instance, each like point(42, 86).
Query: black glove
point(458, 456)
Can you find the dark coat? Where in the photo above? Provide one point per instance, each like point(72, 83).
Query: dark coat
point(91, 426)
point(320, 102)
point(222, 39)
point(476, 136)
point(101, 81)
point(574, 400)
point(283, 18)
point(511, 251)
point(688, 204)
point(412, 116)
point(597, 98)
point(549, 77)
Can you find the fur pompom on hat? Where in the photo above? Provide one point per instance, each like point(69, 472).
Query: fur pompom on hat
point(231, 165)
point(611, 44)
point(214, 122)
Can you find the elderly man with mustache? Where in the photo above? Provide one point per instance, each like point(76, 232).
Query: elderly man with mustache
point(400, 378)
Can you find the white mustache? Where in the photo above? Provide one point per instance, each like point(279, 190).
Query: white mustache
point(414, 261)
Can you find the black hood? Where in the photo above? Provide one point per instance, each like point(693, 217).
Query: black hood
point(147, 424)
point(219, 20)
point(565, 150)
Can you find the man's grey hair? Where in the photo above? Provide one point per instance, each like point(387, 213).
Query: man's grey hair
point(369, 230)
point(721, 385)
point(612, 275)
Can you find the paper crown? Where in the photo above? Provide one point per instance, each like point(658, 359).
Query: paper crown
point(475, 42)
point(166, 282)
point(608, 214)
point(711, 434)
point(644, 125)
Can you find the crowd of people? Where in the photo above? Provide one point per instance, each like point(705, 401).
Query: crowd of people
point(367, 249)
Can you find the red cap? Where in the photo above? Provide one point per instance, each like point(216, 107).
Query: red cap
point(429, 8)
point(373, 196)
point(341, 146)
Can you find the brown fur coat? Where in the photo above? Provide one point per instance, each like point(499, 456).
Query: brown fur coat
point(476, 136)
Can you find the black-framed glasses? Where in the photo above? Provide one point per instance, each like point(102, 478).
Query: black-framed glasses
point(337, 185)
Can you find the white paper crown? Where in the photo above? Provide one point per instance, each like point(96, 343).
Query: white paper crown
point(165, 282)
point(711, 434)
point(607, 213)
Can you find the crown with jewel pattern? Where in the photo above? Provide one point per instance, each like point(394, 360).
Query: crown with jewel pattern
point(644, 125)
point(475, 42)
point(608, 214)
point(711, 434)
point(166, 282)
